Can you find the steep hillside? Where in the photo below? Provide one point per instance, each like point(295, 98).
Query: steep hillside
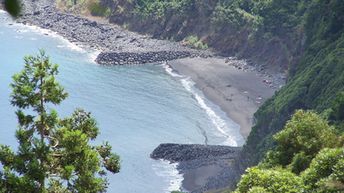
point(313, 83)
point(268, 32)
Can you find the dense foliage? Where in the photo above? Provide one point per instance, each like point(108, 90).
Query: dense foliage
point(300, 140)
point(85, 7)
point(13, 7)
point(54, 154)
point(308, 157)
point(314, 83)
point(270, 180)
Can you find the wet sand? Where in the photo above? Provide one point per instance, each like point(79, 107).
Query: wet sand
point(237, 92)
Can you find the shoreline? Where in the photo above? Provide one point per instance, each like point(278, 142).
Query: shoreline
point(237, 91)
point(118, 46)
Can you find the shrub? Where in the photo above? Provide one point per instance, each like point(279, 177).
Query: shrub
point(97, 9)
point(271, 180)
point(325, 173)
point(195, 42)
point(301, 139)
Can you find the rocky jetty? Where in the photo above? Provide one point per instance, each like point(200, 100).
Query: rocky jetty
point(186, 152)
point(194, 159)
point(121, 58)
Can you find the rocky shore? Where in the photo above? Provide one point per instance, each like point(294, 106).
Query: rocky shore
point(117, 46)
point(204, 167)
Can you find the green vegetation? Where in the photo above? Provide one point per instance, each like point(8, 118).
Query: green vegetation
point(13, 7)
point(158, 9)
point(270, 180)
point(314, 83)
point(223, 25)
point(54, 154)
point(300, 141)
point(194, 42)
point(86, 7)
point(97, 9)
point(308, 157)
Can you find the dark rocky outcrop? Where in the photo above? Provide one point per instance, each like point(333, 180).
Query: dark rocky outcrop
point(193, 158)
point(186, 152)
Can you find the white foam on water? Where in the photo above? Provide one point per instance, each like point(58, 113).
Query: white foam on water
point(226, 128)
point(93, 55)
point(168, 171)
point(21, 28)
point(219, 123)
point(65, 43)
point(18, 37)
point(169, 70)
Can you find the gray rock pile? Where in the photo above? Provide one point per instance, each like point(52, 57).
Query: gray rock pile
point(186, 152)
point(120, 58)
point(194, 156)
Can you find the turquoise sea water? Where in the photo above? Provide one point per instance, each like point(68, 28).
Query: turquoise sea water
point(136, 107)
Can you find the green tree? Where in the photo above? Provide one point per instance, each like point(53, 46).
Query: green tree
point(13, 7)
point(337, 113)
point(274, 180)
point(257, 189)
point(301, 139)
point(54, 155)
point(326, 172)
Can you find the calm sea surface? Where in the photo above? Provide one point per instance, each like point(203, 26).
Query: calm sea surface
point(136, 107)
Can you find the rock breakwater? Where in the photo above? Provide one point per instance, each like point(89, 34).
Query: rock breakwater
point(204, 167)
point(121, 58)
point(186, 152)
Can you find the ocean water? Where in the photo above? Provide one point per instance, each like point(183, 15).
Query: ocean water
point(136, 107)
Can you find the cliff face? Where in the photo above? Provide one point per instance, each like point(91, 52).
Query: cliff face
point(229, 27)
